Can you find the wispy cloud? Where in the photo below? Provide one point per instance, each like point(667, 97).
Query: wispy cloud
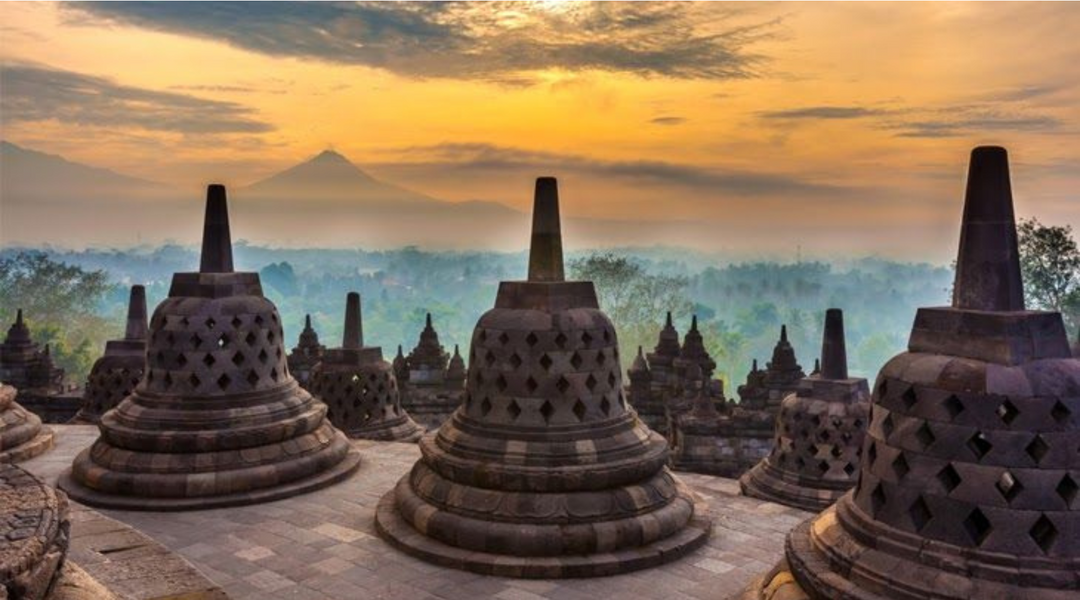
point(668, 120)
point(822, 112)
point(489, 41)
point(40, 93)
point(960, 121)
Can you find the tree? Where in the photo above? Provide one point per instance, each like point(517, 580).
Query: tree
point(634, 299)
point(1050, 263)
point(61, 304)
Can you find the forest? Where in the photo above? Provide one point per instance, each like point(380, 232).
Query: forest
point(75, 300)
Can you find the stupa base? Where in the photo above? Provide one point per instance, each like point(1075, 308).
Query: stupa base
point(91, 497)
point(765, 483)
point(401, 534)
point(35, 446)
point(824, 561)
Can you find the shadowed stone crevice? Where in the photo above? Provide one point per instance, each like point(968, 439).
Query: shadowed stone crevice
point(216, 420)
point(544, 471)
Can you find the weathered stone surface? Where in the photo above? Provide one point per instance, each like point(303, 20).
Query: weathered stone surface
point(431, 381)
point(217, 420)
point(360, 388)
point(968, 485)
point(34, 531)
point(819, 433)
point(115, 375)
point(30, 369)
point(22, 436)
point(543, 472)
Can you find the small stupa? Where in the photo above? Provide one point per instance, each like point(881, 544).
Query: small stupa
point(115, 375)
point(543, 471)
point(433, 382)
point(22, 436)
point(819, 433)
point(217, 420)
point(360, 388)
point(306, 354)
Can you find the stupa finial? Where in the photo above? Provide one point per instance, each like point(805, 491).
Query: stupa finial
point(988, 261)
point(783, 333)
point(833, 348)
point(217, 241)
point(136, 315)
point(354, 328)
point(545, 251)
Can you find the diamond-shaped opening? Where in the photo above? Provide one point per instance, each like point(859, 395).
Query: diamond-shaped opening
point(979, 445)
point(271, 336)
point(236, 322)
point(605, 406)
point(949, 478)
point(223, 341)
point(531, 339)
point(194, 380)
point(504, 339)
point(560, 340)
point(250, 338)
point(274, 374)
point(887, 426)
point(1037, 449)
point(1007, 412)
point(170, 338)
point(515, 360)
point(607, 336)
point(849, 469)
point(977, 526)
point(482, 336)
point(871, 454)
point(210, 323)
point(355, 378)
point(586, 338)
point(925, 435)
point(546, 411)
point(1059, 412)
point(1044, 533)
point(919, 513)
point(562, 385)
point(823, 466)
point(910, 397)
point(576, 360)
point(501, 383)
point(591, 382)
point(546, 362)
point(252, 377)
point(531, 385)
point(485, 407)
point(181, 360)
point(836, 451)
point(223, 381)
point(877, 499)
point(953, 405)
point(489, 358)
point(900, 466)
point(263, 356)
point(168, 379)
point(1067, 489)
point(800, 463)
point(513, 410)
point(600, 358)
point(196, 341)
point(238, 358)
point(1009, 486)
point(209, 360)
point(579, 410)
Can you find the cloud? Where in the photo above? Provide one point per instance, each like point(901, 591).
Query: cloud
point(487, 41)
point(41, 93)
point(488, 158)
point(960, 121)
point(822, 112)
point(667, 120)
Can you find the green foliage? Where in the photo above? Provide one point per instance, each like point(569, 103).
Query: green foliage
point(62, 306)
point(1050, 262)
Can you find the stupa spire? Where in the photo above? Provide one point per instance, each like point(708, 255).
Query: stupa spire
point(307, 321)
point(19, 318)
point(217, 241)
point(545, 250)
point(783, 333)
point(988, 261)
point(354, 328)
point(136, 315)
point(833, 348)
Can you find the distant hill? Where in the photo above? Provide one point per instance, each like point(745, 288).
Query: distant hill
point(31, 173)
point(330, 176)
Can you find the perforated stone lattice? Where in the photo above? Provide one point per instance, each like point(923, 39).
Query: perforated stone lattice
point(106, 387)
point(355, 397)
point(544, 377)
point(977, 470)
point(818, 444)
point(230, 347)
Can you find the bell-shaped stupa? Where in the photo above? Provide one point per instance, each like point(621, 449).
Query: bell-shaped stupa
point(217, 420)
point(543, 471)
point(306, 354)
point(115, 375)
point(819, 433)
point(969, 485)
point(360, 388)
point(22, 436)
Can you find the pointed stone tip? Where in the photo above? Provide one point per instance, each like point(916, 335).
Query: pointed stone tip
point(19, 317)
point(669, 323)
point(354, 328)
point(137, 328)
point(783, 333)
point(693, 323)
point(428, 321)
point(456, 353)
point(988, 261)
point(754, 368)
point(217, 239)
point(639, 352)
point(833, 362)
point(399, 352)
point(545, 249)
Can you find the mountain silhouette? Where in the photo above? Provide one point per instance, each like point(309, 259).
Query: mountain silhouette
point(331, 176)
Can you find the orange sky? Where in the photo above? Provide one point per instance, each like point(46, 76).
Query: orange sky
point(827, 120)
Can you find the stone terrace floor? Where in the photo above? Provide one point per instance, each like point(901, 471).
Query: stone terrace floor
point(323, 545)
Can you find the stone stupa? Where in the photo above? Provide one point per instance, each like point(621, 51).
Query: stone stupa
point(306, 354)
point(819, 433)
point(969, 487)
point(22, 436)
point(34, 536)
point(360, 388)
point(543, 472)
point(217, 420)
point(115, 375)
point(783, 373)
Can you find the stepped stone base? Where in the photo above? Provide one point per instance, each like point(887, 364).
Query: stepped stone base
point(34, 535)
point(402, 535)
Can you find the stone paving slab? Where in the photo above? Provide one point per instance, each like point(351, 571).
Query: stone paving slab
point(323, 545)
